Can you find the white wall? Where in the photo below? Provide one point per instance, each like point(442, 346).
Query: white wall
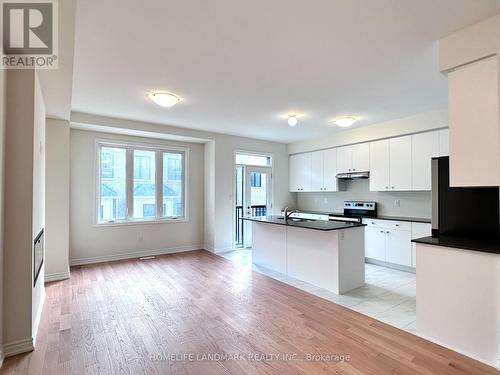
point(225, 146)
point(458, 303)
point(38, 199)
point(412, 204)
point(23, 206)
point(220, 215)
point(2, 158)
point(407, 125)
point(209, 232)
point(90, 243)
point(57, 200)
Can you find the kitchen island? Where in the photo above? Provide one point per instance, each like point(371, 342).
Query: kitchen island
point(328, 254)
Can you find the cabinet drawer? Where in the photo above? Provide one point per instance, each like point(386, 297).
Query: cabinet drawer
point(388, 224)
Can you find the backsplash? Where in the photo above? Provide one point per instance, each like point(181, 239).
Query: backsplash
point(412, 203)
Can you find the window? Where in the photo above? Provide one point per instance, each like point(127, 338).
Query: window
point(144, 193)
point(142, 165)
point(255, 180)
point(113, 187)
point(258, 160)
point(139, 183)
point(173, 184)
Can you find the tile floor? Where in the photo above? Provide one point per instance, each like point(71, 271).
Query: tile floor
point(388, 295)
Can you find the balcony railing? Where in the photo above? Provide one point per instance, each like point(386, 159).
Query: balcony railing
point(257, 210)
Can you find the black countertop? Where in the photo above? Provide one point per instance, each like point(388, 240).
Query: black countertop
point(379, 217)
point(307, 224)
point(485, 246)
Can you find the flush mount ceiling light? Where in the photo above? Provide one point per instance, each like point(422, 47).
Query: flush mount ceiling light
point(345, 122)
point(292, 120)
point(165, 99)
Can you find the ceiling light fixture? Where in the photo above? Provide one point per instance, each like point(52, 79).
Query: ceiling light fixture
point(345, 122)
point(165, 99)
point(292, 120)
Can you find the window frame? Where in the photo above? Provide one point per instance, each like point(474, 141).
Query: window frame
point(159, 149)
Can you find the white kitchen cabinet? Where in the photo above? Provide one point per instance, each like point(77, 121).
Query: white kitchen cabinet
point(330, 170)
point(400, 163)
point(317, 178)
point(474, 124)
point(444, 142)
point(354, 158)
point(389, 241)
point(314, 171)
point(398, 247)
point(379, 165)
point(375, 243)
point(344, 159)
point(424, 147)
point(418, 230)
point(361, 157)
point(300, 172)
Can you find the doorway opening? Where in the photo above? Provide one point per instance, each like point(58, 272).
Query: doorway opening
point(253, 193)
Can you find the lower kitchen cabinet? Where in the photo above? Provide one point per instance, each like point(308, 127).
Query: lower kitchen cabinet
point(375, 243)
point(390, 241)
point(398, 247)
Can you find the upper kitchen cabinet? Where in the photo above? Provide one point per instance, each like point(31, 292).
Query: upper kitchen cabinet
point(354, 158)
point(379, 165)
point(444, 142)
point(400, 166)
point(474, 124)
point(330, 170)
point(390, 164)
point(424, 147)
point(314, 171)
point(300, 172)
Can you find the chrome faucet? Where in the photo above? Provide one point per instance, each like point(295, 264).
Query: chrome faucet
point(287, 213)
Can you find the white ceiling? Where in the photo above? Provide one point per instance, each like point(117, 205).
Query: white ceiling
point(242, 64)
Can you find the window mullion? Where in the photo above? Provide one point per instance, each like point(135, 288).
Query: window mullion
point(130, 183)
point(159, 184)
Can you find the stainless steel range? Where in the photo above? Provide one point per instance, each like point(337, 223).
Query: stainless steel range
point(355, 211)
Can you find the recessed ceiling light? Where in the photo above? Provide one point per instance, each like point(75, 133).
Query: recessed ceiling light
point(345, 122)
point(165, 99)
point(292, 120)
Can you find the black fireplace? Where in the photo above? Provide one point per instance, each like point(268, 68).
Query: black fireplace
point(38, 251)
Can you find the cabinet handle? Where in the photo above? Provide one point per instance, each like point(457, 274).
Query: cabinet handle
point(387, 187)
point(373, 222)
point(381, 231)
point(388, 232)
point(392, 187)
point(397, 225)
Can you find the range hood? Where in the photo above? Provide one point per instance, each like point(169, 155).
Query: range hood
point(353, 175)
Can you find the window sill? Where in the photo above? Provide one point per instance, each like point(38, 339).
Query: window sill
point(141, 222)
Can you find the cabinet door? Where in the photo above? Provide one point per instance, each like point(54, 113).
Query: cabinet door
point(344, 159)
point(330, 169)
point(418, 230)
point(400, 163)
point(398, 248)
point(317, 183)
point(375, 243)
point(424, 147)
point(293, 172)
point(300, 172)
point(444, 142)
point(379, 165)
point(474, 124)
point(361, 157)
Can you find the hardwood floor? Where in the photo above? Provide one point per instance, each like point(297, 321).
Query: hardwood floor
point(141, 317)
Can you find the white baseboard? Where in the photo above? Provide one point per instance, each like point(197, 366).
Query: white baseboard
point(223, 249)
point(135, 254)
point(492, 364)
point(57, 276)
point(209, 248)
point(390, 265)
point(2, 357)
point(18, 347)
